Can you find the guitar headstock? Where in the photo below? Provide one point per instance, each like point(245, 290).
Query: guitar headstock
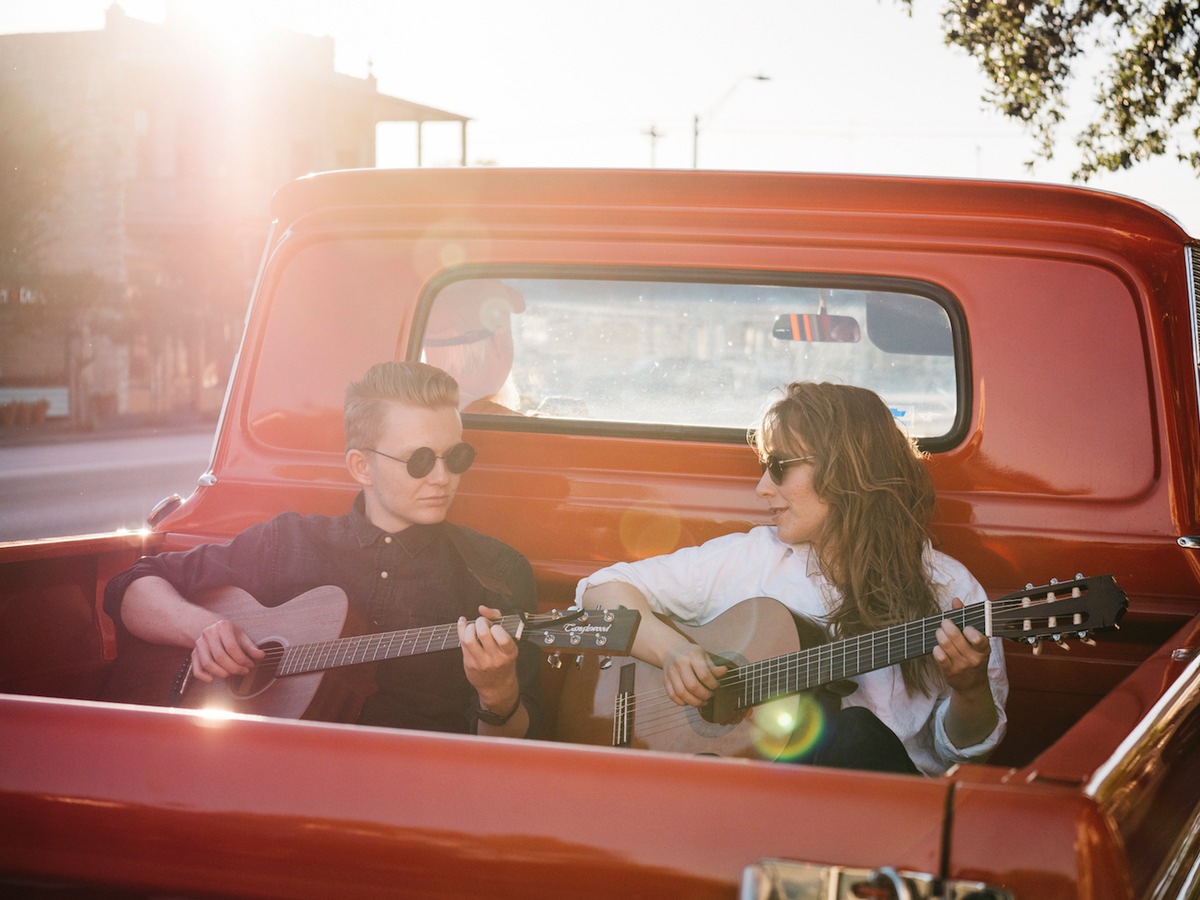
point(607, 631)
point(1059, 610)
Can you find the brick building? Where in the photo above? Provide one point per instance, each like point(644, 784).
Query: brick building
point(149, 244)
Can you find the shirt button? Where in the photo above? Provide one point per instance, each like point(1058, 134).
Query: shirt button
point(383, 574)
point(388, 539)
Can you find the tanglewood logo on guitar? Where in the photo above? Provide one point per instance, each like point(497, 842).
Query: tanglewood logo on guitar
point(577, 629)
point(761, 640)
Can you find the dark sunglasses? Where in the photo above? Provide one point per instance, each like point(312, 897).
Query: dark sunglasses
point(775, 467)
point(458, 459)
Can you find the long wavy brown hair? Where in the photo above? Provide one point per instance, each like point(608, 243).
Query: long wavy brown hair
point(880, 502)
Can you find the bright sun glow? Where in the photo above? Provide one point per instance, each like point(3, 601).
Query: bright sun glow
point(233, 31)
point(537, 96)
point(214, 716)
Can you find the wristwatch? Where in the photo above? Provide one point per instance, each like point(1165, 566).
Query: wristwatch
point(491, 718)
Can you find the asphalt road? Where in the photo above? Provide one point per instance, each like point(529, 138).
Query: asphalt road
point(97, 484)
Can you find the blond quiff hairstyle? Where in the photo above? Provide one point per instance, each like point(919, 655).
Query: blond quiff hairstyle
point(413, 383)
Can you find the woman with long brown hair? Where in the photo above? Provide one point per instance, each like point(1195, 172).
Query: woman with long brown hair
point(850, 502)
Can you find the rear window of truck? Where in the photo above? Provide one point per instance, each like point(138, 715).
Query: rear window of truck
point(699, 352)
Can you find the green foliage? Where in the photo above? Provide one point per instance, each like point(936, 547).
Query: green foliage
point(1148, 89)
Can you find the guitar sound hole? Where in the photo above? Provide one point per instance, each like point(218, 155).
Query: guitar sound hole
point(724, 707)
point(721, 708)
point(261, 676)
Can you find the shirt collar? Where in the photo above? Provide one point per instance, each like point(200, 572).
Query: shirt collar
point(804, 554)
point(414, 538)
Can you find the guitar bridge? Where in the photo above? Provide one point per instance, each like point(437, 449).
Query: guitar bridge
point(624, 706)
point(180, 683)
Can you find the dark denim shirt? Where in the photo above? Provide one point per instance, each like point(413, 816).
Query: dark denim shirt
point(421, 576)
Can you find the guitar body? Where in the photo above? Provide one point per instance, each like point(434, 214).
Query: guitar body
point(147, 673)
point(314, 616)
point(753, 630)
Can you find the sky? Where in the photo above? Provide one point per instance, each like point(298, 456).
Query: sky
point(789, 85)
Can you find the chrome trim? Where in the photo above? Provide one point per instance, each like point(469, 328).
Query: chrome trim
point(163, 508)
point(889, 876)
point(1119, 783)
point(785, 879)
point(1191, 263)
point(1179, 875)
point(1189, 541)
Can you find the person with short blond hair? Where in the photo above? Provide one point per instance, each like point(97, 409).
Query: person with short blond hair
point(400, 563)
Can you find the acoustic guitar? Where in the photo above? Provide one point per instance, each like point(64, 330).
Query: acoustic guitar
point(765, 703)
point(303, 639)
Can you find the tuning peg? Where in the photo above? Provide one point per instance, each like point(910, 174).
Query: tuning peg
point(606, 662)
point(1037, 646)
point(1084, 638)
point(579, 661)
point(608, 615)
point(1058, 640)
point(555, 660)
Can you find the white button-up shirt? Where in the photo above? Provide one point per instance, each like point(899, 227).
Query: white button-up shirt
point(696, 584)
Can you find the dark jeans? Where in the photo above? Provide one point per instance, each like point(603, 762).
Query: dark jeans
point(854, 738)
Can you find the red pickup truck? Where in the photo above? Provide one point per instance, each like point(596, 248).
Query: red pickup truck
point(1040, 342)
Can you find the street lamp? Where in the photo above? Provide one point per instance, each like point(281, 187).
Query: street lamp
point(712, 111)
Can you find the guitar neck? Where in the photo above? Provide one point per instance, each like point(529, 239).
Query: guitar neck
point(366, 648)
point(768, 679)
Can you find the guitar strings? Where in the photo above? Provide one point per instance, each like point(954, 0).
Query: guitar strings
point(654, 712)
point(375, 646)
point(344, 651)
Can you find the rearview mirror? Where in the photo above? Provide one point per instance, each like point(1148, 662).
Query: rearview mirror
point(816, 327)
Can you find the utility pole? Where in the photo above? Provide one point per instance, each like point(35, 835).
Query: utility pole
point(654, 134)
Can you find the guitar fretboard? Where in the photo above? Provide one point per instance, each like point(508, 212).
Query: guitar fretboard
point(759, 682)
point(365, 648)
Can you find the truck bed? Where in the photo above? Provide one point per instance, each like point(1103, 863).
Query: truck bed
point(1039, 343)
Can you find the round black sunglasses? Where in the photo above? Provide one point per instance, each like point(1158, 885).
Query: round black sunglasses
point(458, 459)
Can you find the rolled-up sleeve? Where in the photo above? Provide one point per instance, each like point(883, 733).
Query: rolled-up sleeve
point(246, 561)
point(694, 584)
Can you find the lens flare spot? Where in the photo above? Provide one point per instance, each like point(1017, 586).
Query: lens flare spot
point(788, 728)
point(445, 244)
point(645, 533)
point(452, 254)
